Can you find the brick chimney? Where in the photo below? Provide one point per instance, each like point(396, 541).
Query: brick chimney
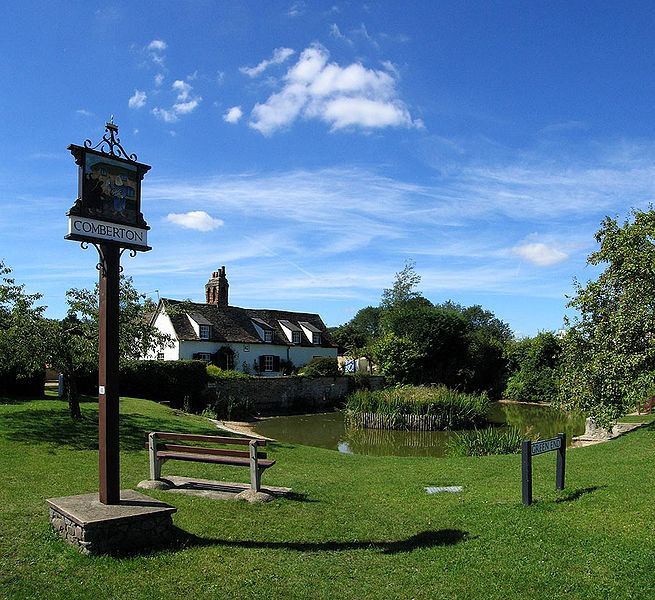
point(216, 288)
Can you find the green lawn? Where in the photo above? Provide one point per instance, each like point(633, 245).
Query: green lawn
point(358, 527)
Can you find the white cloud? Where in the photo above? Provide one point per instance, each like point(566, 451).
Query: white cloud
point(196, 219)
point(83, 112)
point(345, 97)
point(156, 51)
point(540, 254)
point(182, 88)
point(233, 115)
point(186, 103)
point(280, 55)
point(137, 100)
point(362, 112)
point(157, 46)
point(168, 116)
point(184, 108)
point(159, 79)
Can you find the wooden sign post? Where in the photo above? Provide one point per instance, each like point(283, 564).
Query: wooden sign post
point(530, 449)
point(107, 214)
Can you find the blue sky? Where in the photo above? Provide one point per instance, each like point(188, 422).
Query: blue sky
point(314, 147)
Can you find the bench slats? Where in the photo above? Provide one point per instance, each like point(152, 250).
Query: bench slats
point(223, 460)
point(214, 451)
point(207, 438)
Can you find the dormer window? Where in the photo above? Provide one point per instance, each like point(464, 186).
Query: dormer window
point(205, 332)
point(312, 332)
point(268, 336)
point(296, 337)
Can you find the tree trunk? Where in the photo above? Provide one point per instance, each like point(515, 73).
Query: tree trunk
point(73, 397)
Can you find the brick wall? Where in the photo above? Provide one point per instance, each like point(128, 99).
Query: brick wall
point(280, 395)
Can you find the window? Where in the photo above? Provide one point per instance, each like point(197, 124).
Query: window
point(268, 336)
point(160, 356)
point(316, 338)
point(204, 356)
point(205, 332)
point(295, 337)
point(267, 364)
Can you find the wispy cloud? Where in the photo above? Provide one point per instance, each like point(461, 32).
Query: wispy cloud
point(280, 55)
point(344, 97)
point(296, 9)
point(520, 227)
point(196, 219)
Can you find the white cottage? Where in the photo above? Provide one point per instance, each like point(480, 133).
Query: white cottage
point(246, 339)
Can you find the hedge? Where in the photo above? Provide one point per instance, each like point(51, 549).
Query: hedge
point(171, 381)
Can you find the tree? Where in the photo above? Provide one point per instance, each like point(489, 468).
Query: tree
point(484, 366)
point(403, 288)
point(22, 343)
point(608, 352)
point(398, 358)
point(437, 335)
point(534, 364)
point(74, 340)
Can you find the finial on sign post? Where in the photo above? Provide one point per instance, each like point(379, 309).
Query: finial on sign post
point(110, 143)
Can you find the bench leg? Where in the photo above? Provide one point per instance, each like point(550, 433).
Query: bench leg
point(255, 472)
point(155, 464)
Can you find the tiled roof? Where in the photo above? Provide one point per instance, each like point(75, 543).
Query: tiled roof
point(235, 324)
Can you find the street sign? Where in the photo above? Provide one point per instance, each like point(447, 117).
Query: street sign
point(107, 213)
point(530, 449)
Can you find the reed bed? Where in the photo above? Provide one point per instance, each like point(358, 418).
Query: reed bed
point(485, 442)
point(416, 408)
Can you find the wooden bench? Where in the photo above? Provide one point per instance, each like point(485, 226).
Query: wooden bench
point(160, 451)
point(647, 406)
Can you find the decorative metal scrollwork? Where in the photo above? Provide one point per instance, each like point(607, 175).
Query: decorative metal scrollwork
point(110, 143)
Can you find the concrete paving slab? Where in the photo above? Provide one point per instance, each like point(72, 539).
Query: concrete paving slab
point(207, 488)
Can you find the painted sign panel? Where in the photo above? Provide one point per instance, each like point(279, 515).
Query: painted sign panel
point(108, 206)
point(109, 189)
point(546, 445)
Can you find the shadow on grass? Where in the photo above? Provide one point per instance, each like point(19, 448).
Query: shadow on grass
point(56, 427)
point(425, 539)
point(574, 495)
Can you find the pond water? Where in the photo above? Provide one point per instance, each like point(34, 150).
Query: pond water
point(328, 430)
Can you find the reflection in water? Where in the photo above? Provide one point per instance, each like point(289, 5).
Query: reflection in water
point(328, 430)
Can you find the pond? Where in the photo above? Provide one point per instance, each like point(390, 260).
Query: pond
point(328, 430)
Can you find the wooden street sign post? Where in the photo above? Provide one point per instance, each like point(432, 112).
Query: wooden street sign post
point(107, 214)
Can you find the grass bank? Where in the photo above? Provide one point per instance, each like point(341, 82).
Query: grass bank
point(358, 527)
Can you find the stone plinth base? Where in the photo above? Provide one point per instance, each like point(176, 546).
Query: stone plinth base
point(94, 528)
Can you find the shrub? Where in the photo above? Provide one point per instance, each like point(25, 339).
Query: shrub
point(446, 408)
point(215, 373)
point(323, 366)
point(483, 442)
point(164, 380)
point(12, 384)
